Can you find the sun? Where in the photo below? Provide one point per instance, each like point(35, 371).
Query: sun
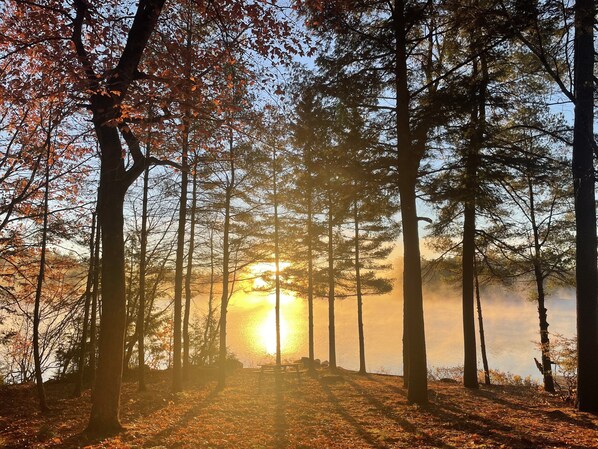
point(262, 274)
point(267, 333)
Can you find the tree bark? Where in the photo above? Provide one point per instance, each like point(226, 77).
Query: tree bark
point(276, 258)
point(186, 317)
point(405, 347)
point(225, 268)
point(412, 294)
point(207, 345)
point(106, 394)
point(177, 375)
point(481, 327)
point(585, 209)
point(362, 369)
point(408, 165)
point(41, 393)
point(94, 306)
point(86, 307)
point(542, 312)
point(310, 276)
point(477, 128)
point(177, 382)
point(114, 182)
point(331, 318)
point(470, 368)
point(142, 273)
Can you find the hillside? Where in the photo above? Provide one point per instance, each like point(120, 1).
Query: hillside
point(348, 411)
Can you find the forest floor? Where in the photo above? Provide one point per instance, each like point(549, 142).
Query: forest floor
point(346, 411)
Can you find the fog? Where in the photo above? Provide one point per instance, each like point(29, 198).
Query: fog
point(510, 322)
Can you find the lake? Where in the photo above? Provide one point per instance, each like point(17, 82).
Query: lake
point(510, 322)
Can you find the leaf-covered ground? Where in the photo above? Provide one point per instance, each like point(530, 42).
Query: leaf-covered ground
point(349, 411)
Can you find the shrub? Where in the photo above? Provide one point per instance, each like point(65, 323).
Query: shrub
point(498, 377)
point(564, 356)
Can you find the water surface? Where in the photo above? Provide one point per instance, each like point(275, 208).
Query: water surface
point(510, 321)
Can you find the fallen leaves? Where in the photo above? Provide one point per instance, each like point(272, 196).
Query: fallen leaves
point(355, 412)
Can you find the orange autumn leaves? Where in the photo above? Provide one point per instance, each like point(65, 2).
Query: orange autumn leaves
point(348, 412)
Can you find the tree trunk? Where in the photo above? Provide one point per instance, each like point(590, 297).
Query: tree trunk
point(114, 182)
point(585, 209)
point(477, 129)
point(130, 344)
point(186, 337)
point(177, 375)
point(362, 369)
point(225, 269)
point(86, 307)
point(106, 393)
point(481, 327)
point(208, 330)
point(412, 294)
point(544, 337)
point(94, 307)
point(539, 277)
point(408, 165)
point(41, 394)
point(470, 368)
point(310, 277)
point(142, 272)
point(405, 347)
point(276, 258)
point(331, 327)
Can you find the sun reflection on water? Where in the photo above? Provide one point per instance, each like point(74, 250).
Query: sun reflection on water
point(260, 328)
point(267, 333)
point(260, 331)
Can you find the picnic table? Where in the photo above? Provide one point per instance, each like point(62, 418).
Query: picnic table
point(291, 368)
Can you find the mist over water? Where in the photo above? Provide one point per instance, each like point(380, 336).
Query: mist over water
point(510, 322)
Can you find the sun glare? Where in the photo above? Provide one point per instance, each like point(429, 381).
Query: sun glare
point(264, 332)
point(267, 326)
point(261, 271)
point(267, 332)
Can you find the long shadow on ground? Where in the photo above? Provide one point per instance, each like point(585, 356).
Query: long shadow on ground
point(392, 414)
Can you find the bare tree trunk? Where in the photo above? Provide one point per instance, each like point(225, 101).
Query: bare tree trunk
point(225, 268)
point(544, 336)
point(585, 208)
point(470, 369)
point(477, 125)
point(178, 368)
point(331, 319)
point(362, 369)
point(142, 274)
point(412, 291)
point(408, 165)
point(94, 306)
point(310, 277)
point(207, 346)
point(86, 307)
point(405, 348)
point(114, 182)
point(539, 277)
point(177, 379)
point(41, 394)
point(106, 393)
point(186, 337)
point(481, 326)
point(276, 258)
